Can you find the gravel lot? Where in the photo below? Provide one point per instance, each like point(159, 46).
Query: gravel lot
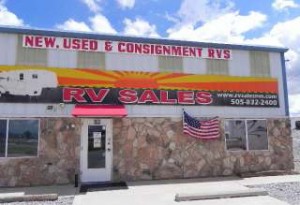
point(288, 192)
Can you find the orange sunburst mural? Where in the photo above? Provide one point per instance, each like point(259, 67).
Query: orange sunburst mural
point(170, 81)
point(162, 81)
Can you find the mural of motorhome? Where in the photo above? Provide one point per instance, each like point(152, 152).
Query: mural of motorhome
point(26, 82)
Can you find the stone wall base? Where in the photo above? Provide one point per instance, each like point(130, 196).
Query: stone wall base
point(145, 149)
point(57, 160)
point(155, 148)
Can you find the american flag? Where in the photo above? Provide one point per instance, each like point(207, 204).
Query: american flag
point(205, 129)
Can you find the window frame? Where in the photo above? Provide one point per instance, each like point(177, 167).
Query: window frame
point(91, 60)
point(217, 67)
point(7, 133)
point(257, 62)
point(6, 138)
point(30, 56)
point(247, 137)
point(166, 60)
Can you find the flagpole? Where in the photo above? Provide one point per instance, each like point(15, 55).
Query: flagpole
point(182, 114)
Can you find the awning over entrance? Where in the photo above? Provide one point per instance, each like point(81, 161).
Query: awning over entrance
point(99, 111)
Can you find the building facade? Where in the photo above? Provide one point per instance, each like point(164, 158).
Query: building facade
point(110, 108)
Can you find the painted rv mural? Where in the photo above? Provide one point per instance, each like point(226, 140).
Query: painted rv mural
point(34, 84)
point(26, 82)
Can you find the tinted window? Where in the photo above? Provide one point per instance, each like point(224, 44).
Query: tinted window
point(257, 134)
point(21, 76)
point(297, 125)
point(23, 138)
point(96, 146)
point(235, 135)
point(2, 137)
point(246, 135)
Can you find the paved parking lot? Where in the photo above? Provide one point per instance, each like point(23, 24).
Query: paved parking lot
point(163, 192)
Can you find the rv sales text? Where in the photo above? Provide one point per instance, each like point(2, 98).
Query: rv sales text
point(128, 96)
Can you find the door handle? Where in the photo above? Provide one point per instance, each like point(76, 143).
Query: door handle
point(108, 149)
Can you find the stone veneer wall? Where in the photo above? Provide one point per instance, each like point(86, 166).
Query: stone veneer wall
point(144, 149)
point(57, 160)
point(155, 148)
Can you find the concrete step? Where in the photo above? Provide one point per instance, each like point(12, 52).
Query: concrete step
point(8, 198)
point(220, 194)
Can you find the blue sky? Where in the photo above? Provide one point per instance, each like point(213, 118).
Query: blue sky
point(267, 22)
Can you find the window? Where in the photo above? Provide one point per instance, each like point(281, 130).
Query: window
point(235, 135)
point(170, 64)
point(297, 125)
point(19, 138)
point(21, 76)
point(2, 137)
point(30, 56)
point(260, 63)
point(257, 135)
point(95, 60)
point(217, 67)
point(34, 76)
point(246, 135)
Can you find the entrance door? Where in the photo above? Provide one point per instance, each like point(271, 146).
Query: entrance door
point(96, 150)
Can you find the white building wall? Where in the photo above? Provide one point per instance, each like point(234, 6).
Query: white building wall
point(35, 110)
point(8, 47)
point(276, 72)
point(131, 62)
point(194, 66)
point(201, 111)
point(238, 66)
point(62, 58)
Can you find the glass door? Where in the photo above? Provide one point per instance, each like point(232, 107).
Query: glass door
point(96, 150)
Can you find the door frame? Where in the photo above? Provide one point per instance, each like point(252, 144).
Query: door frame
point(88, 175)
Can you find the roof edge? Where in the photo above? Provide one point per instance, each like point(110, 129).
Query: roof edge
point(165, 41)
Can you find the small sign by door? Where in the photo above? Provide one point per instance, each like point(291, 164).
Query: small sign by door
point(97, 139)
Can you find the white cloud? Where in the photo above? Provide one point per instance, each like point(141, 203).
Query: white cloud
point(228, 27)
point(126, 3)
point(215, 21)
point(72, 25)
point(282, 34)
point(294, 105)
point(9, 18)
point(139, 27)
point(192, 12)
point(93, 5)
point(287, 32)
point(214, 24)
point(97, 23)
point(100, 23)
point(284, 4)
